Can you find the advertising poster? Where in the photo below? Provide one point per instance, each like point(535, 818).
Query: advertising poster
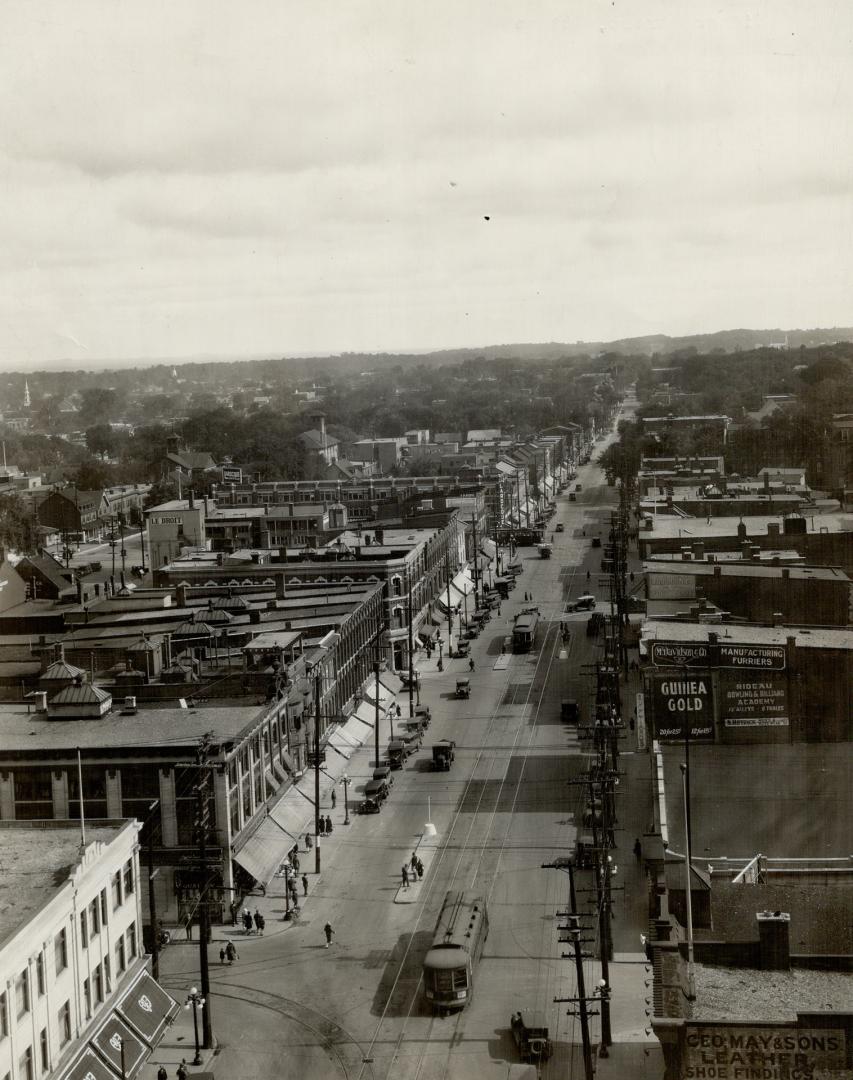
point(753, 699)
point(683, 706)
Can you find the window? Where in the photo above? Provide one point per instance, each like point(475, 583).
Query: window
point(98, 984)
point(45, 1050)
point(33, 793)
point(22, 994)
point(84, 934)
point(108, 978)
point(40, 973)
point(94, 917)
point(60, 951)
point(4, 1016)
point(64, 1025)
point(116, 886)
point(25, 1065)
point(120, 961)
point(87, 997)
point(131, 941)
point(103, 907)
point(128, 877)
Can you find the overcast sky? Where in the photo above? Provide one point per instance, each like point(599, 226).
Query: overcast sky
point(248, 178)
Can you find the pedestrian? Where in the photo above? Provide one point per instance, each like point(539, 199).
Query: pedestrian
point(296, 864)
point(399, 712)
point(632, 723)
point(638, 849)
point(471, 664)
point(440, 664)
point(587, 575)
point(329, 932)
point(222, 955)
point(188, 926)
point(231, 952)
point(260, 923)
point(503, 649)
point(420, 870)
point(321, 826)
point(308, 841)
point(181, 1071)
point(334, 802)
point(235, 907)
point(294, 892)
point(162, 1074)
point(413, 862)
point(405, 877)
point(328, 825)
point(304, 884)
point(247, 920)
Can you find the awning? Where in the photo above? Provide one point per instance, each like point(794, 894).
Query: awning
point(88, 1066)
point(349, 737)
point(457, 595)
point(108, 1041)
point(390, 681)
point(265, 850)
point(428, 632)
point(489, 548)
point(147, 1007)
point(441, 602)
point(463, 583)
point(366, 715)
point(385, 695)
point(293, 811)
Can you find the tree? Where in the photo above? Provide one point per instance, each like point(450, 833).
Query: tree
point(18, 530)
point(101, 440)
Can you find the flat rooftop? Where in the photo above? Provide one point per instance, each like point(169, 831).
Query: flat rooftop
point(805, 637)
point(167, 728)
point(700, 568)
point(34, 865)
point(749, 994)
point(669, 528)
point(779, 800)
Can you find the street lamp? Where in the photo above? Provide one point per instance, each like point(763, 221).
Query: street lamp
point(195, 1001)
point(345, 782)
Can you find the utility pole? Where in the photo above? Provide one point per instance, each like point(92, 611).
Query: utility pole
point(152, 900)
point(411, 654)
point(317, 715)
point(476, 560)
point(582, 1002)
point(449, 607)
point(202, 800)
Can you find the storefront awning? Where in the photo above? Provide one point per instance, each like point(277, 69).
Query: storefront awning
point(293, 811)
point(391, 681)
point(348, 738)
point(88, 1066)
point(147, 1007)
point(366, 715)
point(441, 603)
point(108, 1040)
point(428, 632)
point(463, 583)
point(265, 850)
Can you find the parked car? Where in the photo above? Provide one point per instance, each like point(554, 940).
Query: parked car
point(561, 527)
point(583, 603)
point(463, 649)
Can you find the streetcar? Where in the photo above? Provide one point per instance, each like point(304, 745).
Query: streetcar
point(460, 933)
point(524, 631)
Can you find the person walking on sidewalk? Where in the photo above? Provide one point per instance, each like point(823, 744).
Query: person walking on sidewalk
point(181, 1071)
point(308, 841)
point(405, 876)
point(329, 932)
point(471, 664)
point(247, 920)
point(162, 1074)
point(295, 864)
point(334, 800)
point(638, 849)
point(328, 825)
point(321, 826)
point(231, 952)
point(222, 955)
point(259, 921)
point(304, 884)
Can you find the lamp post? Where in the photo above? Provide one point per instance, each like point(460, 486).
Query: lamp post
point(195, 1002)
point(691, 974)
point(440, 643)
point(345, 782)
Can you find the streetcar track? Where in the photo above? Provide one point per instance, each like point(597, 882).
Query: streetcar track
point(328, 1033)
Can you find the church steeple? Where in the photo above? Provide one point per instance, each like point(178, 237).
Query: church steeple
point(26, 394)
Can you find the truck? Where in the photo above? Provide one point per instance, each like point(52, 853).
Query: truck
point(443, 754)
point(531, 1039)
point(545, 551)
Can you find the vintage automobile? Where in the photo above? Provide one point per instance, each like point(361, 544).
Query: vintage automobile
point(368, 806)
point(443, 754)
point(531, 1039)
point(463, 688)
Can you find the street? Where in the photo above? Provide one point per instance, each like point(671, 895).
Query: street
point(507, 806)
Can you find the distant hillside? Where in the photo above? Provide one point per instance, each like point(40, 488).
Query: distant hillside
point(648, 345)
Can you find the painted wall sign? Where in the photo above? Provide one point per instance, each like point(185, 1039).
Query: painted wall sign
point(683, 707)
point(722, 1052)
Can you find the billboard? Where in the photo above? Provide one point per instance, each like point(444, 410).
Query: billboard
point(232, 475)
point(683, 706)
point(753, 700)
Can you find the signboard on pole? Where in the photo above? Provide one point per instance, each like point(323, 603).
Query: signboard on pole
point(642, 734)
point(232, 475)
point(683, 707)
